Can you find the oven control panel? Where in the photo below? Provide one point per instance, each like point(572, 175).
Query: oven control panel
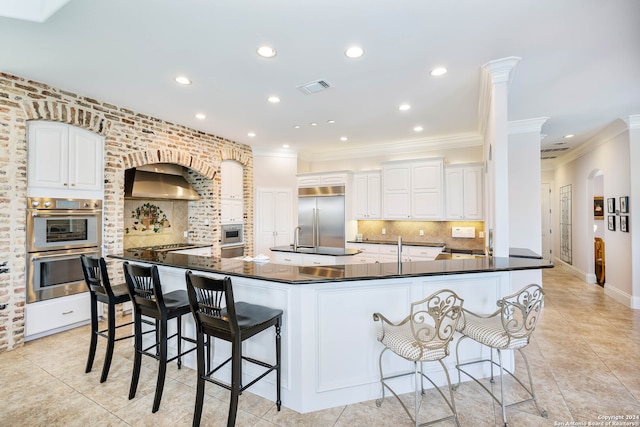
point(63, 204)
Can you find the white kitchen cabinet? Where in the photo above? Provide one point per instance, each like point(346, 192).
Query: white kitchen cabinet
point(64, 158)
point(368, 253)
point(232, 211)
point(422, 253)
point(464, 192)
point(288, 258)
point(55, 315)
point(273, 219)
point(231, 179)
point(412, 190)
point(366, 195)
point(323, 178)
point(204, 251)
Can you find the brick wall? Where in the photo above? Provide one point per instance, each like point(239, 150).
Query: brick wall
point(131, 139)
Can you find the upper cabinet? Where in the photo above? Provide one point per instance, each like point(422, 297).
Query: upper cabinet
point(64, 158)
point(232, 185)
point(412, 190)
point(464, 192)
point(367, 188)
point(319, 179)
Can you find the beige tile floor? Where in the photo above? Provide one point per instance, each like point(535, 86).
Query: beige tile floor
point(585, 356)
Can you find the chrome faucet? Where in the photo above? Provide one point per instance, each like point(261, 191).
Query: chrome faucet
point(296, 237)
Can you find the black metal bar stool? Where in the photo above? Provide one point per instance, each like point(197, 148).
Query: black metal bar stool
point(149, 300)
point(508, 328)
point(100, 290)
point(217, 315)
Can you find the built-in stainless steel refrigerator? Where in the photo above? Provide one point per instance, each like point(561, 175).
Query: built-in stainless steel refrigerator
point(321, 216)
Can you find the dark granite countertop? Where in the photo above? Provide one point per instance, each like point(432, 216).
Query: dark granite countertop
point(295, 275)
point(395, 242)
point(317, 250)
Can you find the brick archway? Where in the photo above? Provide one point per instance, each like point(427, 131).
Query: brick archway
point(86, 118)
point(145, 157)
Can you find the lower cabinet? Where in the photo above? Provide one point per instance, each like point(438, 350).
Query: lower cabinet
point(55, 315)
point(389, 253)
point(305, 260)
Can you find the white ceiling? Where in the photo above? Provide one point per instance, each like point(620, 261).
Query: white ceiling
point(580, 65)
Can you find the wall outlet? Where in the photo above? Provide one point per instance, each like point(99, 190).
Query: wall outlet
point(422, 232)
point(384, 231)
point(185, 234)
point(481, 234)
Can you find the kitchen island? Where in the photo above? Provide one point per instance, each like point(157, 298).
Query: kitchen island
point(330, 353)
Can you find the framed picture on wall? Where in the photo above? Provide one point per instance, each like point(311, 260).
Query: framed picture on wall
point(611, 222)
point(611, 205)
point(624, 223)
point(624, 204)
point(598, 208)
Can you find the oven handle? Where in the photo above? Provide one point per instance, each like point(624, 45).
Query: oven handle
point(45, 214)
point(88, 251)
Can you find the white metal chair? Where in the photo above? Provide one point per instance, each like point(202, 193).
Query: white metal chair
point(423, 336)
point(508, 328)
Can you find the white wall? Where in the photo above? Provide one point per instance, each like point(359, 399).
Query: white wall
point(609, 154)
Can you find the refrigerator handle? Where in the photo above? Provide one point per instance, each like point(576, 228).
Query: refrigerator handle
point(314, 228)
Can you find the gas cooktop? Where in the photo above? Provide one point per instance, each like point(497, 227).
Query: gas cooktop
point(164, 248)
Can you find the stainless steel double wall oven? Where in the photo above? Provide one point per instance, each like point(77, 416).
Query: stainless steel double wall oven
point(58, 232)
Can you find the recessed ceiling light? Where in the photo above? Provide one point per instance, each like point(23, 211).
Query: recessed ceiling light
point(344, 138)
point(273, 99)
point(404, 107)
point(438, 71)
point(296, 127)
point(418, 129)
point(183, 80)
point(251, 134)
point(266, 51)
point(200, 116)
point(285, 145)
point(354, 52)
point(568, 136)
point(313, 124)
point(331, 121)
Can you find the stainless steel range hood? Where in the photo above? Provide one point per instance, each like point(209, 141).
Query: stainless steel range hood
point(158, 181)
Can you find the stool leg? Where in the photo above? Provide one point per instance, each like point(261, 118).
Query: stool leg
point(197, 413)
point(415, 379)
point(162, 367)
point(111, 340)
point(137, 357)
point(278, 370)
point(94, 333)
point(504, 408)
point(236, 374)
point(179, 321)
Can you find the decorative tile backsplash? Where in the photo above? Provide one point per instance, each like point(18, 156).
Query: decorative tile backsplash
point(154, 222)
point(434, 232)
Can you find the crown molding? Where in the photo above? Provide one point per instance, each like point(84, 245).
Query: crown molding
point(633, 122)
point(502, 70)
point(526, 126)
point(431, 144)
point(613, 130)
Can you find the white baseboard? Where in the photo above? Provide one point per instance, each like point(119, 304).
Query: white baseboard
point(621, 297)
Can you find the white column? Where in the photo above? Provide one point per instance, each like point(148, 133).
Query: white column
point(500, 73)
point(633, 122)
point(525, 226)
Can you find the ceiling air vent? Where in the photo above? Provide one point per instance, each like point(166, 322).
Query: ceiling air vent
point(314, 87)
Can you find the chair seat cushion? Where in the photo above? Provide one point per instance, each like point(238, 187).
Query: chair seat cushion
point(401, 341)
point(177, 302)
point(489, 331)
point(251, 315)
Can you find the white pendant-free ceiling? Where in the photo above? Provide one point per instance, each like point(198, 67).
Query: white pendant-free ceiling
point(580, 65)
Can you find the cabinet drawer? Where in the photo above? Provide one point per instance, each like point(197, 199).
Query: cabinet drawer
point(364, 248)
point(56, 313)
point(287, 258)
point(422, 251)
